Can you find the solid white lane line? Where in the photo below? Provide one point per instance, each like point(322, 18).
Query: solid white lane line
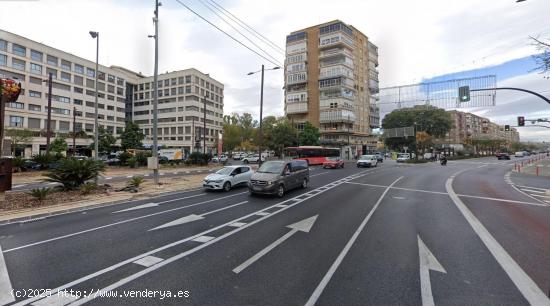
point(534, 191)
point(5, 283)
point(326, 279)
point(148, 261)
point(129, 176)
point(319, 174)
point(262, 214)
point(169, 260)
point(528, 288)
point(530, 187)
point(541, 196)
point(146, 205)
point(17, 186)
point(237, 224)
point(120, 222)
point(444, 193)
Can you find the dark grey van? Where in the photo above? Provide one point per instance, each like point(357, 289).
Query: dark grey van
point(277, 177)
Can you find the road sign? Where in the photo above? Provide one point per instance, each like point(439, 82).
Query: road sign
point(464, 93)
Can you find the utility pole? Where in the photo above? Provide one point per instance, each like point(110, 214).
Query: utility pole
point(48, 128)
point(74, 131)
point(155, 94)
point(193, 134)
point(261, 136)
point(204, 128)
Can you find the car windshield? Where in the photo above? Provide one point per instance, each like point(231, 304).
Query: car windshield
point(225, 171)
point(333, 158)
point(403, 155)
point(271, 167)
point(367, 156)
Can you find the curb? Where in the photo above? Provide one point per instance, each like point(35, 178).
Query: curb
point(42, 216)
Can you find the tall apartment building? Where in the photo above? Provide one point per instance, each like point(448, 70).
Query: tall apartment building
point(123, 95)
point(470, 126)
point(330, 80)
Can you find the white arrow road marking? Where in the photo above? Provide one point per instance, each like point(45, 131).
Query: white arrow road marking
point(148, 261)
point(5, 283)
point(326, 279)
point(146, 205)
point(193, 217)
point(304, 226)
point(427, 262)
point(528, 288)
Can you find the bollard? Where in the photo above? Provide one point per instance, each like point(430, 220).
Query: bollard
point(537, 170)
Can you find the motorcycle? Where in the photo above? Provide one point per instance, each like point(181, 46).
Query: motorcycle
point(443, 162)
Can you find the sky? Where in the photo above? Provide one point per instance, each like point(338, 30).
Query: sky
point(418, 40)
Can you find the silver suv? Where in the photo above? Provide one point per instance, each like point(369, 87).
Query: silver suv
point(277, 177)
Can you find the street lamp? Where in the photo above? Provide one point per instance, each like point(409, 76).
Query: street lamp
point(48, 128)
point(260, 137)
point(95, 35)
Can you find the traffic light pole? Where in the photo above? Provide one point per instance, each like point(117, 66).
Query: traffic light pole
point(517, 89)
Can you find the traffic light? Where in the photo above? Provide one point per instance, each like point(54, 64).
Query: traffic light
point(464, 93)
point(507, 128)
point(521, 121)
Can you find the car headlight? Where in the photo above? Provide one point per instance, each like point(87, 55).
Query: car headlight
point(217, 181)
point(269, 183)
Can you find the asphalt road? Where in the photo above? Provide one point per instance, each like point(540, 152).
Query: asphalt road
point(465, 234)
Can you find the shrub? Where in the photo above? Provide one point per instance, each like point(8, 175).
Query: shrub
point(88, 187)
point(40, 194)
point(73, 173)
point(18, 164)
point(141, 157)
point(124, 157)
point(132, 162)
point(135, 181)
point(197, 158)
point(43, 160)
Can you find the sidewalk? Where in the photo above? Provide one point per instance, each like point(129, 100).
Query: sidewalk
point(536, 165)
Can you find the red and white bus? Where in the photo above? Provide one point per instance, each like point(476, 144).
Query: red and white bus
point(314, 155)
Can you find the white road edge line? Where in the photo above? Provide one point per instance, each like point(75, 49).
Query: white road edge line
point(5, 283)
point(120, 222)
point(174, 258)
point(528, 288)
point(326, 279)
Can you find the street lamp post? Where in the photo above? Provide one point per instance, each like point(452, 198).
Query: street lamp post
point(155, 93)
point(95, 35)
point(204, 128)
point(48, 127)
point(260, 135)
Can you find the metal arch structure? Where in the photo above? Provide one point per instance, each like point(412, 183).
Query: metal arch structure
point(443, 94)
point(516, 89)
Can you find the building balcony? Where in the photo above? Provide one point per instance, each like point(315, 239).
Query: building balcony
point(335, 52)
point(338, 102)
point(296, 108)
point(337, 115)
point(373, 86)
point(336, 82)
point(337, 39)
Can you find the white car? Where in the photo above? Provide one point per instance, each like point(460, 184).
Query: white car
point(252, 158)
point(228, 177)
point(520, 154)
point(367, 161)
point(403, 157)
point(221, 159)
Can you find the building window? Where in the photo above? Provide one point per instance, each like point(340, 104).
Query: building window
point(3, 45)
point(16, 105)
point(33, 123)
point(52, 60)
point(111, 78)
point(3, 60)
point(52, 71)
point(65, 65)
point(120, 81)
point(78, 90)
point(18, 64)
point(16, 121)
point(101, 76)
point(36, 55)
point(19, 50)
point(120, 91)
point(90, 83)
point(35, 68)
point(35, 108)
point(78, 69)
point(173, 91)
point(90, 72)
point(35, 94)
point(167, 82)
point(64, 125)
point(65, 76)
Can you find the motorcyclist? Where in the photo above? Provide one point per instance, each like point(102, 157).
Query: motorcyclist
point(443, 160)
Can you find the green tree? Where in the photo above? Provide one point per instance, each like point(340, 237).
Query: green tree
point(73, 173)
point(132, 136)
point(247, 125)
point(283, 134)
point(106, 141)
point(310, 135)
point(434, 121)
point(58, 145)
point(231, 136)
point(18, 137)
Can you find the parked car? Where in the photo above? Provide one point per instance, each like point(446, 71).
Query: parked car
point(252, 158)
point(367, 161)
point(221, 159)
point(228, 177)
point(333, 163)
point(277, 177)
point(238, 155)
point(403, 157)
point(31, 165)
point(503, 156)
point(519, 154)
